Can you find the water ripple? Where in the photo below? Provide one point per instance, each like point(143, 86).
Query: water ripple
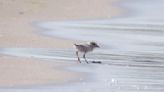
point(132, 59)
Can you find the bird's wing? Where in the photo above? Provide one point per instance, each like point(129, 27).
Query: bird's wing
point(81, 48)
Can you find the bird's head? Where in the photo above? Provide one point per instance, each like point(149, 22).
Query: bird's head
point(94, 44)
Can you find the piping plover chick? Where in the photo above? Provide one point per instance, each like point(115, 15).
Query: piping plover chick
point(85, 48)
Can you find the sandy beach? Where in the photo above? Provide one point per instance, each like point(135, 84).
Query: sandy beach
point(31, 72)
point(36, 52)
point(16, 30)
point(16, 20)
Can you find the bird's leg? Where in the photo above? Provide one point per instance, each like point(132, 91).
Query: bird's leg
point(78, 56)
point(85, 58)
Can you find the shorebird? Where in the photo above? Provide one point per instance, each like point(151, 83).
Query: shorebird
point(85, 48)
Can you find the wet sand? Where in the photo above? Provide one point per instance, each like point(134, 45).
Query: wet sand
point(131, 61)
point(16, 18)
point(132, 56)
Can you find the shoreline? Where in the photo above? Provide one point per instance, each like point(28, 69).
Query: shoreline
point(131, 59)
point(21, 23)
point(17, 31)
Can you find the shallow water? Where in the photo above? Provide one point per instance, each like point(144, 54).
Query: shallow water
point(132, 51)
point(117, 73)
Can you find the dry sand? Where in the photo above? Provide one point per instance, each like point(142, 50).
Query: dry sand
point(16, 30)
point(17, 71)
point(16, 17)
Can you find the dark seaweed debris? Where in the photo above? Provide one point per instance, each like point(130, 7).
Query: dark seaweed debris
point(97, 62)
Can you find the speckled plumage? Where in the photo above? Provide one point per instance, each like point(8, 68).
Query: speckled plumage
point(85, 48)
